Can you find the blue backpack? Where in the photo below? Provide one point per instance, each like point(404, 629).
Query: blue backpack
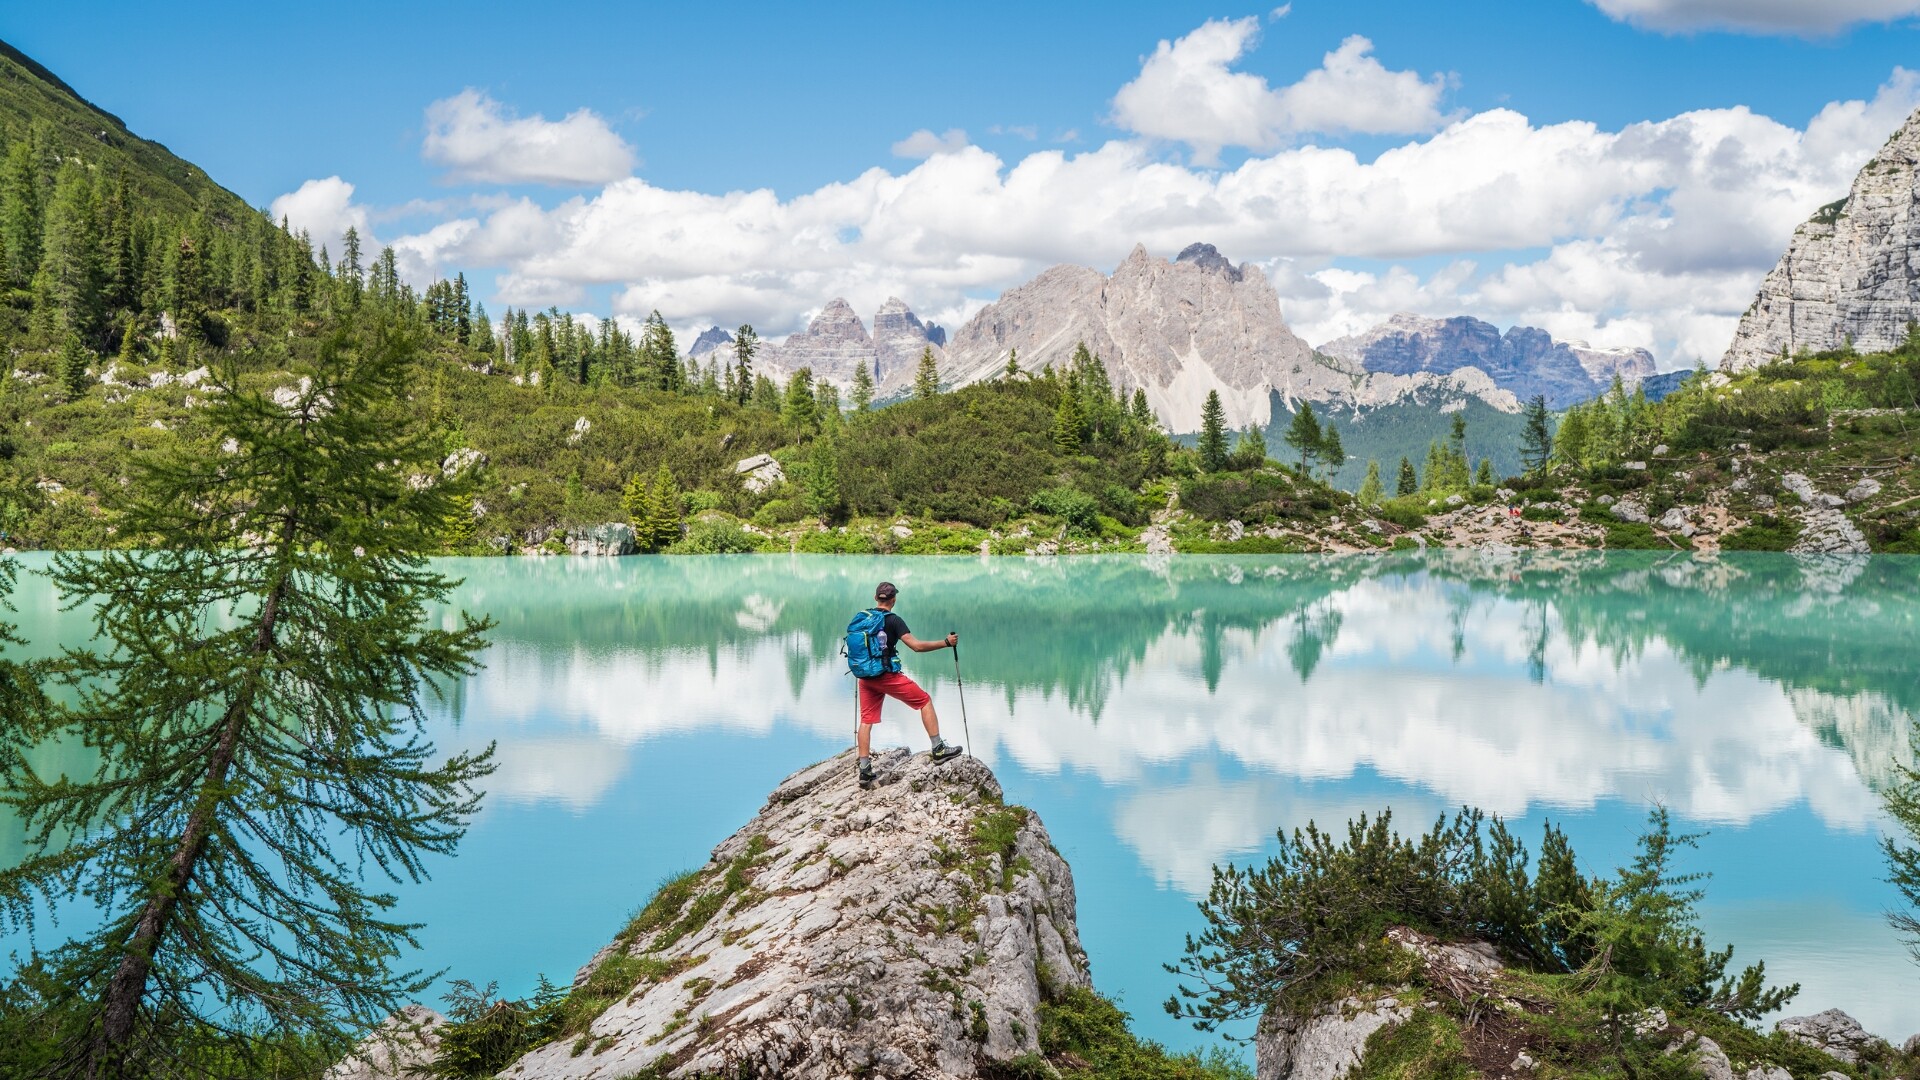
point(866, 645)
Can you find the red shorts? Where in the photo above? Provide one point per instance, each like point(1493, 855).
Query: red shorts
point(894, 685)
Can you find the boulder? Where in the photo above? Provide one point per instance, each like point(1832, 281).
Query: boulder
point(1809, 495)
point(612, 538)
point(759, 472)
point(868, 933)
point(1862, 491)
point(1834, 1032)
point(1157, 540)
point(1677, 520)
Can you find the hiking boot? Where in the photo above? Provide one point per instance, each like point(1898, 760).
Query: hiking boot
point(946, 752)
point(866, 773)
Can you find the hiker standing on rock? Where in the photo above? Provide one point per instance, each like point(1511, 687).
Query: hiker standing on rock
point(873, 641)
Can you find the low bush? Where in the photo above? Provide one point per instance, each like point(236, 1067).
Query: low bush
point(1762, 534)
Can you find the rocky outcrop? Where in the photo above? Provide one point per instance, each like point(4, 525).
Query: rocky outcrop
point(906, 931)
point(612, 538)
point(1833, 1031)
point(1524, 360)
point(403, 1045)
point(1851, 272)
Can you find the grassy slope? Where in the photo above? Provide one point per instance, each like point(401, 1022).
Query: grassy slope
point(30, 94)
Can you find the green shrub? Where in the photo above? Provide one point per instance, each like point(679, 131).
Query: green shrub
point(1543, 512)
point(1080, 510)
point(779, 512)
point(1762, 534)
point(1408, 512)
point(715, 536)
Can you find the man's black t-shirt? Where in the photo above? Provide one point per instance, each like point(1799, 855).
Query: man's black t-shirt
point(892, 629)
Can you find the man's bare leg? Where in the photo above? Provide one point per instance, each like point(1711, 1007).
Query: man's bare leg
point(930, 720)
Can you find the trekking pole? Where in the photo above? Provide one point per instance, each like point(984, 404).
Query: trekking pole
point(962, 686)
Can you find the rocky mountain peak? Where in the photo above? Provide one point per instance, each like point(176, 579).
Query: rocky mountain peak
point(1851, 271)
point(898, 339)
point(1207, 257)
point(710, 339)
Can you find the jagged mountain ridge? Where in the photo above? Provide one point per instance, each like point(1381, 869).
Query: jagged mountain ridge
point(1178, 329)
point(836, 344)
point(1851, 272)
point(1525, 359)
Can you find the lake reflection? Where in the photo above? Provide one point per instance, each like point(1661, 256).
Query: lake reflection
point(1164, 715)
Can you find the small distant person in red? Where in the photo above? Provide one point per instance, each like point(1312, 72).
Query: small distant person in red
point(895, 684)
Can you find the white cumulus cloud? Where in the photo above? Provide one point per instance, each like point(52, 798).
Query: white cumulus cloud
point(325, 210)
point(925, 144)
point(1187, 92)
point(480, 140)
point(1807, 17)
point(1654, 234)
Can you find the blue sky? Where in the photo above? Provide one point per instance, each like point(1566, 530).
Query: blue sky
point(1617, 170)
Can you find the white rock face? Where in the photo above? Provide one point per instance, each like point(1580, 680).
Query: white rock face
point(898, 339)
point(1852, 271)
point(872, 937)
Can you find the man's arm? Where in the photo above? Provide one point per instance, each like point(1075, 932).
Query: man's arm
point(917, 645)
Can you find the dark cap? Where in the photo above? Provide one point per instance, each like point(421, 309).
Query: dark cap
point(885, 591)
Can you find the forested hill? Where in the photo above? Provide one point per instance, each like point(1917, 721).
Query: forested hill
point(35, 100)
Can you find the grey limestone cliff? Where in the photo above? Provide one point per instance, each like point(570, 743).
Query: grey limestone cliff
point(1851, 272)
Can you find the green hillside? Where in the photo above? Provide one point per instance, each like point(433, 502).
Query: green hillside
point(1405, 429)
point(35, 100)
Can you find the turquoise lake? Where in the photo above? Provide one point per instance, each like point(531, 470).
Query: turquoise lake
point(1163, 715)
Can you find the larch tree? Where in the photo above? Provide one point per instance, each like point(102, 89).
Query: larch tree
point(1142, 412)
point(1213, 434)
point(862, 389)
point(1304, 436)
point(1069, 425)
point(255, 702)
point(1536, 437)
point(1370, 489)
point(926, 378)
point(745, 344)
point(1332, 453)
point(823, 480)
point(1012, 370)
point(1408, 482)
point(799, 408)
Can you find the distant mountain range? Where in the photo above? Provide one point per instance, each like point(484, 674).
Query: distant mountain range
point(1181, 328)
point(1525, 360)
